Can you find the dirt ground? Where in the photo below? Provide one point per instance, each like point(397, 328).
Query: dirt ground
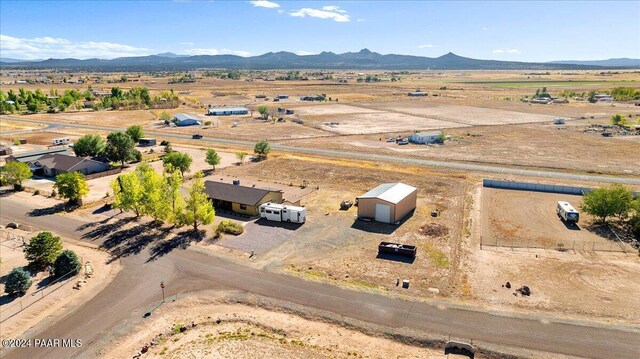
point(56, 302)
point(523, 219)
point(333, 246)
point(574, 283)
point(248, 332)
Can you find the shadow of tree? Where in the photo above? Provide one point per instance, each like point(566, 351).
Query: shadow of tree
point(104, 228)
point(60, 207)
point(182, 239)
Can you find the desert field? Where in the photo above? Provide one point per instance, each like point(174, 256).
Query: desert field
point(529, 219)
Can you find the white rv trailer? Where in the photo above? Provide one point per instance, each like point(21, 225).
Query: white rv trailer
point(61, 141)
point(283, 213)
point(567, 212)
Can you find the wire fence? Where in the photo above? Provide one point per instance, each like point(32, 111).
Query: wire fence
point(560, 245)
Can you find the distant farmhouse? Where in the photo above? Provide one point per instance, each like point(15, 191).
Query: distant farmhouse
point(29, 157)
point(312, 98)
point(418, 93)
point(182, 119)
point(227, 111)
point(424, 137)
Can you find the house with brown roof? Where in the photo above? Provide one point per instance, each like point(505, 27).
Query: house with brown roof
point(240, 199)
point(54, 164)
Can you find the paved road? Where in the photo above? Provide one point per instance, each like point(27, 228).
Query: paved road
point(135, 288)
point(372, 157)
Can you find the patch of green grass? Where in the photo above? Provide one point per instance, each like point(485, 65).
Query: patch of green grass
point(438, 258)
point(177, 329)
point(363, 284)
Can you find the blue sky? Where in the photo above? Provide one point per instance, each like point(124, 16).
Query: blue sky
point(518, 31)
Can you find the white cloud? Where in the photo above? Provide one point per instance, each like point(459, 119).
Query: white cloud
point(484, 29)
point(507, 51)
point(212, 51)
point(360, 20)
point(327, 12)
point(187, 43)
point(280, 11)
point(265, 3)
point(304, 53)
point(427, 46)
point(49, 47)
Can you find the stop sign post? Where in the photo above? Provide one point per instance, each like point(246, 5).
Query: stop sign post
point(162, 287)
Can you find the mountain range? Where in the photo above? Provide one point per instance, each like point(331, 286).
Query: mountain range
point(362, 60)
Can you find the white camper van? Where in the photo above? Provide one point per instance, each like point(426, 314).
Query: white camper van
point(567, 212)
point(61, 141)
point(283, 213)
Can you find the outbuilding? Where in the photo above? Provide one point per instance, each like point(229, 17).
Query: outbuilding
point(424, 137)
point(227, 111)
point(147, 141)
point(182, 119)
point(388, 203)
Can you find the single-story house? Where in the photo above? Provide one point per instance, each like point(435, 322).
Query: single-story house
point(55, 164)
point(240, 199)
point(418, 93)
point(424, 137)
point(182, 119)
point(388, 203)
point(30, 157)
point(227, 111)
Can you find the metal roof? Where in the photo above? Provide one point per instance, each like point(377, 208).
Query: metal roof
point(390, 192)
point(222, 109)
point(184, 116)
point(235, 193)
point(32, 156)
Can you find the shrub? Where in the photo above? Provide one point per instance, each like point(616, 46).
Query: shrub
point(230, 227)
point(42, 250)
point(18, 281)
point(66, 262)
point(207, 123)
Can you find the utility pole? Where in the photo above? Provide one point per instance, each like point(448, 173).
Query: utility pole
point(162, 287)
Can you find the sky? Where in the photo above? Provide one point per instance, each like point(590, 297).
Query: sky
point(516, 31)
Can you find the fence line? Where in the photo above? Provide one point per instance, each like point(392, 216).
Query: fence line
point(36, 296)
point(537, 187)
point(561, 245)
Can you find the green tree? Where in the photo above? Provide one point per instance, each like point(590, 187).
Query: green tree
point(179, 160)
point(262, 149)
point(72, 186)
point(89, 145)
point(171, 195)
point(165, 117)
point(128, 193)
point(153, 203)
point(592, 96)
point(617, 119)
point(441, 137)
point(605, 202)
point(240, 155)
point(212, 158)
point(119, 147)
point(264, 112)
point(18, 281)
point(198, 208)
point(135, 132)
point(67, 262)
point(15, 172)
point(42, 250)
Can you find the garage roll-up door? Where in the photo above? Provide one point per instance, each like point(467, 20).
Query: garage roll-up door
point(383, 213)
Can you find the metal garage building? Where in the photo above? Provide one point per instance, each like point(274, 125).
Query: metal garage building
point(388, 203)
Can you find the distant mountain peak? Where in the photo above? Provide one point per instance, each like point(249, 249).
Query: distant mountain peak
point(365, 51)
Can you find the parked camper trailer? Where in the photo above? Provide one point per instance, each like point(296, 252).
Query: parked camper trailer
point(61, 141)
point(566, 211)
point(283, 213)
